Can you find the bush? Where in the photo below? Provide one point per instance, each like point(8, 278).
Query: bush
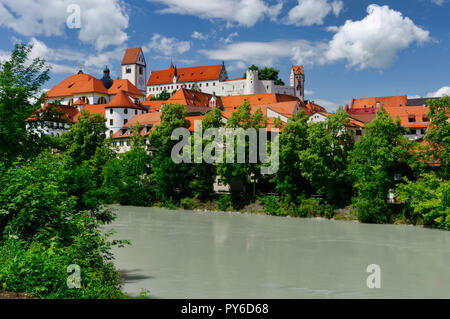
point(41, 270)
point(271, 205)
point(224, 202)
point(188, 203)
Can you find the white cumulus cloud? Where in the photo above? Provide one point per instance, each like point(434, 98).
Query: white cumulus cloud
point(103, 22)
point(241, 12)
point(445, 90)
point(167, 46)
point(310, 12)
point(372, 42)
point(375, 40)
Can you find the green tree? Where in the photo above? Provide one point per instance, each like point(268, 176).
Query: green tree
point(324, 162)
point(289, 180)
point(428, 199)
point(245, 174)
point(438, 134)
point(127, 178)
point(171, 179)
point(163, 96)
point(380, 155)
point(20, 84)
point(203, 175)
point(266, 74)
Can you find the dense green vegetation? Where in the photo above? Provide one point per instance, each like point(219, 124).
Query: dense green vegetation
point(53, 191)
point(266, 74)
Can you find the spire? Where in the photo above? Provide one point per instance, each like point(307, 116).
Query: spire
point(81, 69)
point(106, 80)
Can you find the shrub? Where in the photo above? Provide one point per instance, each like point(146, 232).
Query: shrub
point(224, 202)
point(271, 205)
point(188, 203)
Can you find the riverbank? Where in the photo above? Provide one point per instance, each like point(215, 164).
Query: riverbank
point(15, 295)
point(310, 208)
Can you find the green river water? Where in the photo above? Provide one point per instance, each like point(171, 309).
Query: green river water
point(186, 254)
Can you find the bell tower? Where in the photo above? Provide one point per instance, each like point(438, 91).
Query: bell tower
point(297, 81)
point(134, 68)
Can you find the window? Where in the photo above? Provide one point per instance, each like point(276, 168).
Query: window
point(412, 132)
point(110, 111)
point(358, 132)
point(125, 121)
point(111, 122)
point(125, 111)
point(128, 70)
point(121, 143)
point(70, 102)
point(423, 131)
point(111, 133)
point(85, 99)
point(425, 118)
point(128, 143)
point(141, 70)
point(411, 118)
point(135, 112)
point(101, 100)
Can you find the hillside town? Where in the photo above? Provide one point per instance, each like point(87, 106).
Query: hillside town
point(127, 101)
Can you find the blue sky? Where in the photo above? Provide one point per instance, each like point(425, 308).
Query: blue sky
point(349, 48)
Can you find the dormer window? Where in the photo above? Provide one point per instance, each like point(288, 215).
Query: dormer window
point(425, 118)
point(411, 118)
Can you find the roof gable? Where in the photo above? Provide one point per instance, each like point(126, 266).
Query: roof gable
point(132, 56)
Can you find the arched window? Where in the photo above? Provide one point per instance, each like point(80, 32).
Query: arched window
point(102, 100)
point(71, 102)
point(125, 111)
point(85, 99)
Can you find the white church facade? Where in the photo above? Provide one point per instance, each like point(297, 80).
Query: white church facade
point(213, 79)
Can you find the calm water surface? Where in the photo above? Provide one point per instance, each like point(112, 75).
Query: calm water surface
point(185, 254)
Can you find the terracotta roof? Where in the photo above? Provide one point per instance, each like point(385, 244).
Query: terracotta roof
point(386, 101)
point(298, 67)
point(190, 74)
point(193, 98)
point(313, 107)
point(232, 102)
point(285, 108)
point(77, 84)
point(123, 100)
point(131, 56)
point(192, 120)
point(79, 102)
point(154, 106)
point(93, 109)
point(68, 112)
point(124, 85)
point(405, 113)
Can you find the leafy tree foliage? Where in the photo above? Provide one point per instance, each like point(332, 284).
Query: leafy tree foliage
point(289, 180)
point(246, 173)
point(428, 198)
point(163, 96)
point(20, 84)
point(381, 153)
point(127, 177)
point(266, 74)
point(170, 179)
point(438, 134)
point(324, 161)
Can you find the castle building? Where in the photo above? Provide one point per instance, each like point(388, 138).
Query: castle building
point(134, 68)
point(213, 79)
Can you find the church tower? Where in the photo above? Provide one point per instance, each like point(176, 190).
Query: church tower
point(134, 68)
point(297, 80)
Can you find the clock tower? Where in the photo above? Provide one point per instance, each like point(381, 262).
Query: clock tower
point(134, 68)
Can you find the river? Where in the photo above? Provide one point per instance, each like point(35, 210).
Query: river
point(186, 254)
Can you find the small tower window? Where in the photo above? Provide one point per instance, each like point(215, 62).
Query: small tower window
point(111, 122)
point(110, 111)
point(128, 70)
point(125, 111)
point(141, 70)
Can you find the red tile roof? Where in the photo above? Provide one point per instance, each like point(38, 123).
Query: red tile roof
point(123, 100)
point(298, 67)
point(193, 98)
point(404, 113)
point(232, 102)
point(190, 74)
point(93, 109)
point(386, 101)
point(124, 85)
point(77, 84)
point(85, 83)
point(131, 56)
point(68, 112)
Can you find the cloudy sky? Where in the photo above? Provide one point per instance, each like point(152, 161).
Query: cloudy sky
point(349, 48)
